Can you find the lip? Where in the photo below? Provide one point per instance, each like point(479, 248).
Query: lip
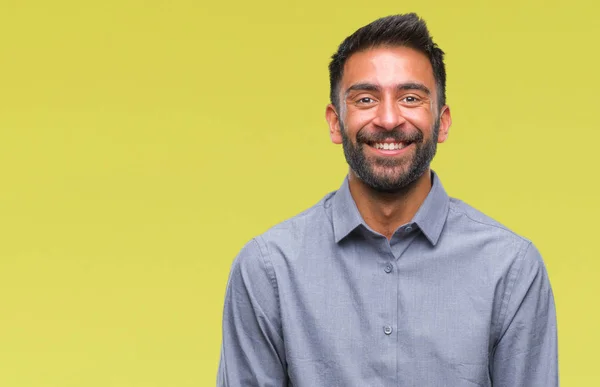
point(388, 152)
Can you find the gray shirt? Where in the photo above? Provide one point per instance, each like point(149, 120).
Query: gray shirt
point(454, 299)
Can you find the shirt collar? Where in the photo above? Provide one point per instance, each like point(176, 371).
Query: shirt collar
point(430, 217)
point(432, 214)
point(345, 213)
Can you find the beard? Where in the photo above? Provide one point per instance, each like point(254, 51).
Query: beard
point(390, 174)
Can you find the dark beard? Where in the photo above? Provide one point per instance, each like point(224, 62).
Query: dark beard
point(396, 183)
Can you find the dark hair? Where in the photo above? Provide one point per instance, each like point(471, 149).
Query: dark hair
point(407, 30)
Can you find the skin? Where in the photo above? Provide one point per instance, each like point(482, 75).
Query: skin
point(388, 91)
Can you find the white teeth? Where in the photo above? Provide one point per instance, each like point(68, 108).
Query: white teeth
point(388, 146)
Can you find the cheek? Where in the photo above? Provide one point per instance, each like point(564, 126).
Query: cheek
point(358, 119)
point(420, 119)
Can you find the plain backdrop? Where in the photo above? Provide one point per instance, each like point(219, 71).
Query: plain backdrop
point(142, 143)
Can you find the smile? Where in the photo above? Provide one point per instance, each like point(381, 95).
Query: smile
point(389, 148)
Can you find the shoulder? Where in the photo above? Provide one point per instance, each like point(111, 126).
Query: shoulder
point(466, 218)
point(511, 250)
point(315, 220)
point(495, 239)
point(293, 234)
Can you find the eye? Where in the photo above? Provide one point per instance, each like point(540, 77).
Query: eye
point(411, 99)
point(365, 101)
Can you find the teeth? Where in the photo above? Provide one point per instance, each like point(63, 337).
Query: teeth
point(388, 146)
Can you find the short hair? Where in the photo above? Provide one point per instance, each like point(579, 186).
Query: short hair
point(406, 30)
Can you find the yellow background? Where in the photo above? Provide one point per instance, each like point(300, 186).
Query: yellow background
point(142, 143)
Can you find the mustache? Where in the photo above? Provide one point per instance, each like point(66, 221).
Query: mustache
point(397, 136)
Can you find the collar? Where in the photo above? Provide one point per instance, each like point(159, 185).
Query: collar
point(430, 217)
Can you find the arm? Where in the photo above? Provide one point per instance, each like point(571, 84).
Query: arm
point(252, 351)
point(526, 353)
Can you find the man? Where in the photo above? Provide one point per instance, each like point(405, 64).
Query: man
point(388, 281)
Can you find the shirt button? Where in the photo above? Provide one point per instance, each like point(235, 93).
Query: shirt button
point(388, 268)
point(408, 229)
point(387, 330)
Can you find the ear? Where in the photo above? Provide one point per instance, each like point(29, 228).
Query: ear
point(333, 120)
point(445, 122)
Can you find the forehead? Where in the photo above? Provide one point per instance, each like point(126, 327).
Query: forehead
point(387, 67)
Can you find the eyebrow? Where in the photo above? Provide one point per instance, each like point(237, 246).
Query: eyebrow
point(373, 87)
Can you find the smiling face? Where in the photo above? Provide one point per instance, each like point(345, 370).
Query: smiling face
point(388, 121)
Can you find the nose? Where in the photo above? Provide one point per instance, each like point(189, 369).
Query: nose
point(389, 115)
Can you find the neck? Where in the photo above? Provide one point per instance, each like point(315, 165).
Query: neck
point(385, 212)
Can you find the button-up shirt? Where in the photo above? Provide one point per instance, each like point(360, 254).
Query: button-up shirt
point(453, 299)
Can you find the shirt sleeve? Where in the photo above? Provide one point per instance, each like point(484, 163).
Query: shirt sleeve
point(526, 353)
point(252, 350)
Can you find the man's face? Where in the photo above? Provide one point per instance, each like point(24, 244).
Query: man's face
point(388, 121)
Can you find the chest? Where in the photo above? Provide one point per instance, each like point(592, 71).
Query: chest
point(370, 311)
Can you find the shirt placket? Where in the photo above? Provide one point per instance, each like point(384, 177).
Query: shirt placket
point(389, 313)
point(398, 245)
